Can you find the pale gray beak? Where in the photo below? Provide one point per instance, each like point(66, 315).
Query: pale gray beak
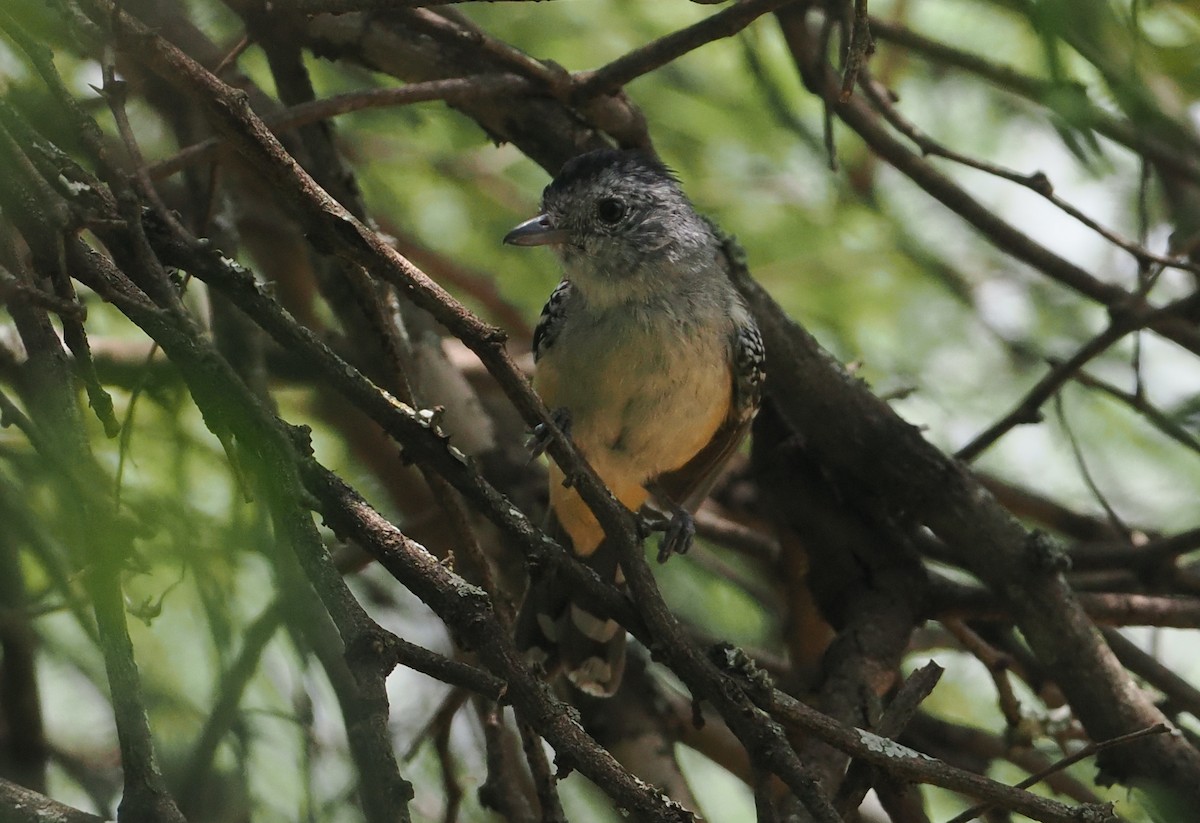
point(538, 231)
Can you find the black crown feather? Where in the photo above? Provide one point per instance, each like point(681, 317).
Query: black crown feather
point(627, 164)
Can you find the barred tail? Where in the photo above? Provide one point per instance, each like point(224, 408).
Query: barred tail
point(558, 633)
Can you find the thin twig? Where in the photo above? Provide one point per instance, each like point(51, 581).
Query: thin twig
point(125, 441)
point(725, 23)
point(1138, 402)
point(114, 92)
point(1107, 608)
point(1027, 408)
point(451, 788)
point(233, 54)
point(449, 24)
point(75, 336)
point(1084, 471)
point(1086, 752)
point(504, 790)
point(827, 106)
point(1134, 553)
point(1170, 611)
point(860, 47)
point(997, 664)
point(934, 734)
point(311, 7)
point(454, 700)
point(1182, 694)
point(1036, 182)
point(12, 289)
point(1042, 91)
point(544, 778)
point(303, 114)
point(11, 415)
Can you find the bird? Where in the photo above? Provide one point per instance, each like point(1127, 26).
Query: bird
point(650, 362)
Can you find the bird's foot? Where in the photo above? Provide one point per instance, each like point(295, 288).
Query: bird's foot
point(541, 435)
point(677, 537)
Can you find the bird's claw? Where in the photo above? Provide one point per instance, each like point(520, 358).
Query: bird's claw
point(677, 537)
point(540, 436)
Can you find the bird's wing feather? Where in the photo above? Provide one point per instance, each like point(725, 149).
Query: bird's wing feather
point(749, 369)
point(551, 319)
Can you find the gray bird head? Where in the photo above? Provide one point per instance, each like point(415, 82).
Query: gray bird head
point(617, 219)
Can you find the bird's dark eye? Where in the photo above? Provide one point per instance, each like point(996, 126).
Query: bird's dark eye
point(610, 210)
